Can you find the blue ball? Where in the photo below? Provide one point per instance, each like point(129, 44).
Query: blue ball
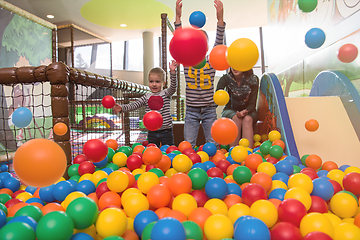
point(281, 176)
point(209, 148)
point(167, 228)
point(142, 219)
point(86, 186)
point(5, 175)
point(197, 19)
point(278, 193)
point(315, 38)
point(107, 170)
point(62, 189)
point(208, 165)
point(199, 165)
point(26, 219)
point(21, 117)
point(322, 188)
point(216, 188)
point(35, 199)
point(11, 183)
point(285, 167)
point(302, 166)
point(30, 189)
point(3, 219)
point(322, 173)
point(234, 188)
point(247, 227)
point(293, 160)
point(342, 167)
point(46, 193)
point(230, 160)
point(81, 236)
point(164, 147)
point(4, 168)
point(102, 163)
point(171, 156)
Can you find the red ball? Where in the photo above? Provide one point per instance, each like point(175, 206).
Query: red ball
point(215, 172)
point(272, 160)
point(108, 101)
point(188, 151)
point(195, 158)
point(285, 231)
point(101, 189)
point(200, 197)
point(316, 235)
point(149, 167)
point(153, 120)
point(86, 167)
point(291, 210)
point(151, 145)
point(145, 143)
point(79, 159)
point(95, 150)
point(347, 53)
point(351, 182)
point(253, 192)
point(318, 205)
point(223, 165)
point(17, 193)
point(134, 161)
point(12, 202)
point(171, 148)
point(313, 175)
point(188, 46)
point(337, 187)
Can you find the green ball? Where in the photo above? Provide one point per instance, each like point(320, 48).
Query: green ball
point(226, 147)
point(17, 230)
point(198, 178)
point(125, 149)
point(146, 233)
point(157, 171)
point(192, 230)
point(177, 152)
point(112, 166)
point(303, 158)
point(55, 224)
point(307, 5)
point(111, 153)
point(75, 177)
point(30, 211)
point(102, 180)
point(242, 174)
point(137, 176)
point(73, 170)
point(9, 218)
point(265, 147)
point(4, 197)
point(297, 169)
point(83, 211)
point(276, 151)
point(113, 238)
point(4, 208)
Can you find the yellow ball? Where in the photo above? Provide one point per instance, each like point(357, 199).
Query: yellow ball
point(348, 220)
point(117, 181)
point(302, 181)
point(278, 184)
point(335, 220)
point(221, 97)
point(242, 54)
point(244, 142)
point(343, 205)
point(119, 159)
point(264, 137)
point(239, 154)
point(203, 155)
point(346, 231)
point(300, 194)
point(238, 210)
point(137, 171)
point(336, 175)
point(111, 222)
point(170, 172)
point(98, 175)
point(24, 196)
point(184, 203)
point(256, 144)
point(86, 176)
point(134, 204)
point(146, 181)
point(265, 211)
point(274, 135)
point(22, 187)
point(316, 222)
point(218, 227)
point(130, 223)
point(352, 169)
point(72, 196)
point(216, 206)
point(127, 193)
point(182, 163)
point(257, 138)
point(267, 168)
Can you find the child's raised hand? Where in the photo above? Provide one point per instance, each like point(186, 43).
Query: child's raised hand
point(219, 11)
point(172, 66)
point(117, 108)
point(178, 8)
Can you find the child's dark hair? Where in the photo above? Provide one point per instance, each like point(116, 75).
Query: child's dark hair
point(159, 71)
point(247, 73)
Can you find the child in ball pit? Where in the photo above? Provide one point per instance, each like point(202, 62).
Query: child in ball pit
point(164, 135)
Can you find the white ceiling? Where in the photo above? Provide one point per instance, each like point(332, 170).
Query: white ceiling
point(237, 14)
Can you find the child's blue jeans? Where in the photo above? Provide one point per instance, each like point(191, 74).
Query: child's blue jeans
point(165, 137)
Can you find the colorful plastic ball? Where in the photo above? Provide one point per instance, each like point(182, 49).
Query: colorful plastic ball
point(118, 181)
point(314, 38)
point(239, 154)
point(62, 189)
point(242, 174)
point(4, 168)
point(218, 227)
point(267, 168)
point(200, 64)
point(242, 54)
point(199, 216)
point(221, 97)
point(142, 219)
point(307, 5)
point(180, 183)
point(192, 230)
point(216, 206)
point(54, 223)
point(318, 205)
point(39, 162)
point(265, 211)
point(31, 211)
point(285, 167)
point(346, 231)
point(210, 148)
point(253, 192)
point(265, 147)
point(25, 219)
point(197, 19)
point(252, 161)
point(159, 196)
point(95, 150)
point(81, 236)
point(274, 135)
point(108, 101)
point(146, 233)
point(343, 205)
point(86, 167)
point(313, 161)
point(234, 188)
point(11, 183)
point(198, 178)
point(351, 182)
point(184, 203)
point(167, 228)
point(153, 120)
point(152, 155)
point(79, 159)
point(347, 53)
point(291, 210)
point(47, 193)
point(316, 222)
point(83, 211)
point(248, 227)
point(111, 222)
point(134, 204)
point(21, 117)
point(302, 181)
point(17, 230)
point(277, 193)
point(224, 131)
point(262, 179)
point(322, 188)
point(86, 186)
point(276, 151)
point(182, 163)
point(216, 188)
point(238, 210)
point(285, 231)
point(215, 172)
point(218, 61)
point(60, 128)
point(311, 125)
point(300, 194)
point(188, 46)
point(200, 197)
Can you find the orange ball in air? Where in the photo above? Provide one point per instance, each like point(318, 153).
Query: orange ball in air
point(60, 129)
point(311, 125)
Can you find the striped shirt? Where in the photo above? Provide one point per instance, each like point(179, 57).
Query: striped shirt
point(164, 111)
point(199, 89)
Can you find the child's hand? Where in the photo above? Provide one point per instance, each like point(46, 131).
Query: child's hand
point(219, 11)
point(172, 66)
point(242, 113)
point(117, 108)
point(178, 8)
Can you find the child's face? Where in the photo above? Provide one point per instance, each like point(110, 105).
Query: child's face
point(155, 83)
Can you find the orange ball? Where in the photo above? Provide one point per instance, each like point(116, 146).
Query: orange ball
point(52, 207)
point(275, 201)
point(161, 211)
point(60, 129)
point(329, 165)
point(313, 161)
point(224, 131)
point(184, 145)
point(159, 196)
point(130, 235)
point(218, 156)
point(152, 155)
point(36, 204)
point(94, 197)
point(357, 220)
point(13, 209)
point(138, 148)
point(280, 143)
point(232, 199)
point(130, 176)
point(262, 179)
point(175, 214)
point(112, 143)
point(252, 161)
point(311, 125)
point(164, 164)
point(217, 58)
point(231, 168)
point(199, 215)
point(7, 191)
point(180, 183)
point(40, 162)
point(109, 199)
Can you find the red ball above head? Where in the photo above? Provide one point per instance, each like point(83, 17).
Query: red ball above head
point(95, 150)
point(79, 159)
point(188, 46)
point(155, 102)
point(195, 158)
point(347, 53)
point(108, 101)
point(153, 120)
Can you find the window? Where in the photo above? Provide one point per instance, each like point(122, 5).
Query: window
point(118, 55)
point(103, 56)
point(82, 56)
point(135, 55)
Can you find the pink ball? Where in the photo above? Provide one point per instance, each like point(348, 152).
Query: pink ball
point(285, 231)
point(347, 53)
point(108, 101)
point(153, 120)
point(292, 211)
point(253, 192)
point(188, 46)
